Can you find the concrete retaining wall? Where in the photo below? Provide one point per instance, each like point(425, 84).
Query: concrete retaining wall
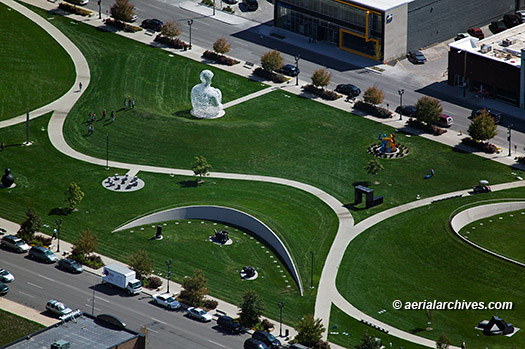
point(226, 215)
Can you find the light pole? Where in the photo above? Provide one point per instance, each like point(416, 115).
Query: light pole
point(312, 272)
point(508, 137)
point(190, 22)
point(58, 222)
point(213, 7)
point(281, 306)
point(401, 103)
point(297, 58)
point(168, 264)
point(99, 9)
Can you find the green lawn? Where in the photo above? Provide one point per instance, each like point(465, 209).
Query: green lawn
point(415, 256)
point(35, 70)
point(13, 327)
point(502, 234)
point(42, 174)
point(348, 332)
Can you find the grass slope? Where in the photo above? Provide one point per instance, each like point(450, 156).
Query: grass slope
point(36, 69)
point(13, 327)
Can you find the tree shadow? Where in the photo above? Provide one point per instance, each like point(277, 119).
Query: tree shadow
point(59, 211)
point(184, 114)
point(193, 183)
point(417, 330)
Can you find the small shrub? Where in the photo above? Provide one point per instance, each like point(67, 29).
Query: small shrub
point(483, 146)
point(228, 9)
point(174, 43)
point(207, 2)
point(74, 10)
point(219, 58)
point(152, 282)
point(267, 325)
point(121, 25)
point(373, 110)
point(275, 77)
point(210, 304)
point(324, 94)
point(433, 129)
point(42, 240)
point(92, 261)
point(520, 159)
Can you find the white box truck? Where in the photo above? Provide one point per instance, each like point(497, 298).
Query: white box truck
point(122, 277)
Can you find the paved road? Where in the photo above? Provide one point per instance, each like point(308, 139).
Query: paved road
point(35, 283)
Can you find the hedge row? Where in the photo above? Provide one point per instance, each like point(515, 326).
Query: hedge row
point(275, 77)
point(221, 59)
point(324, 94)
point(74, 10)
point(483, 146)
point(373, 110)
point(433, 129)
point(122, 25)
point(173, 43)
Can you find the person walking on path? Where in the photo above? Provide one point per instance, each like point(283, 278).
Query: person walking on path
point(112, 115)
point(129, 102)
point(90, 130)
point(133, 104)
point(80, 86)
point(104, 114)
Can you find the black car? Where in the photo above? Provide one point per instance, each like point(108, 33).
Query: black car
point(407, 110)
point(251, 5)
point(227, 324)
point(511, 20)
point(348, 89)
point(497, 27)
point(153, 24)
point(496, 115)
point(289, 70)
point(252, 343)
point(70, 265)
point(416, 57)
point(3, 288)
point(267, 338)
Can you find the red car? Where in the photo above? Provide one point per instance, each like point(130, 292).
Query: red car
point(476, 32)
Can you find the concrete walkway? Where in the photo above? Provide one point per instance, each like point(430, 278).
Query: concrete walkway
point(327, 292)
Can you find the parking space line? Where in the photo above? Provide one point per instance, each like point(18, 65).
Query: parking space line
point(401, 65)
point(26, 294)
point(29, 283)
point(220, 345)
point(436, 52)
point(45, 277)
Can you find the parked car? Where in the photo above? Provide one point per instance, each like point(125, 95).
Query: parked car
point(290, 70)
point(70, 265)
point(416, 57)
point(78, 2)
point(42, 254)
point(348, 89)
point(521, 14)
point(267, 338)
point(252, 343)
point(511, 20)
point(166, 301)
point(476, 32)
point(231, 2)
point(199, 314)
point(251, 5)
point(153, 24)
point(228, 324)
point(14, 243)
point(496, 115)
point(407, 110)
point(461, 36)
point(444, 121)
point(6, 276)
point(3, 288)
point(57, 308)
point(497, 27)
point(297, 346)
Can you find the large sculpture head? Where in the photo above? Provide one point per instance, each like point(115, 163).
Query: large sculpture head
point(206, 76)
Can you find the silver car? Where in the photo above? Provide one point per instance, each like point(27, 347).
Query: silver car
point(6, 276)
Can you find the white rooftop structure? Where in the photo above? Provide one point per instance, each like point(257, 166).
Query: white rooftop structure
point(382, 5)
point(504, 47)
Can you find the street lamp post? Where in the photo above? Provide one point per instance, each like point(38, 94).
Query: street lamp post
point(508, 137)
point(401, 103)
point(281, 306)
point(190, 22)
point(297, 58)
point(99, 9)
point(312, 272)
point(213, 7)
point(168, 264)
point(58, 222)
point(107, 151)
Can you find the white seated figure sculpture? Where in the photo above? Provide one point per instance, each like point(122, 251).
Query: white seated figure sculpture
point(206, 100)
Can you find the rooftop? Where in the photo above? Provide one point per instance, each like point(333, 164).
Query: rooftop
point(381, 5)
point(504, 47)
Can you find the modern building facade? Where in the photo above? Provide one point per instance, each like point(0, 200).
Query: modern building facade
point(386, 29)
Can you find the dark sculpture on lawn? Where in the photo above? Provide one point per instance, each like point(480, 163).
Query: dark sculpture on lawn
point(7, 178)
point(248, 272)
point(220, 237)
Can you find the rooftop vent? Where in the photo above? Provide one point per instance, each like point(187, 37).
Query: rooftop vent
point(486, 48)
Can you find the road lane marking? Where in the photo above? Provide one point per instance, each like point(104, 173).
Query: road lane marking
point(149, 329)
point(220, 345)
point(162, 322)
point(29, 283)
point(91, 307)
point(45, 277)
point(26, 294)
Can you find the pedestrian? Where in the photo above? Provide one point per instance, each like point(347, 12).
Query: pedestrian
point(133, 104)
point(112, 116)
point(54, 233)
point(90, 130)
point(129, 102)
point(125, 100)
point(80, 86)
point(104, 114)
point(93, 117)
point(432, 172)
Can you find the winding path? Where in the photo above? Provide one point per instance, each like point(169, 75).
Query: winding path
point(327, 291)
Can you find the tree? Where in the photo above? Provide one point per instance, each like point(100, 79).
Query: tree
point(368, 342)
point(194, 289)
point(373, 167)
point(141, 264)
point(170, 29)
point(482, 127)
point(373, 95)
point(272, 61)
point(251, 308)
point(201, 167)
point(428, 109)
point(73, 195)
point(31, 225)
point(221, 46)
point(443, 342)
point(122, 10)
point(321, 78)
point(86, 243)
point(309, 331)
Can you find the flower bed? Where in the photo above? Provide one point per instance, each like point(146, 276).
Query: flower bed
point(433, 129)
point(221, 59)
point(173, 43)
point(373, 110)
point(122, 25)
point(275, 77)
point(74, 10)
point(324, 94)
point(483, 146)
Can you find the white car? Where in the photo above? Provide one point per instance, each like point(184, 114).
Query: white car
point(166, 301)
point(199, 314)
point(58, 308)
point(6, 276)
